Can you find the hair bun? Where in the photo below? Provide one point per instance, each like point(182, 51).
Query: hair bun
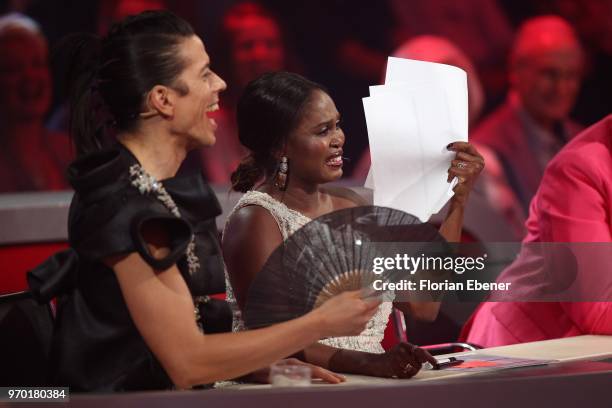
point(246, 175)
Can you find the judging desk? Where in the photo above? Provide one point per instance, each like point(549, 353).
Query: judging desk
point(579, 376)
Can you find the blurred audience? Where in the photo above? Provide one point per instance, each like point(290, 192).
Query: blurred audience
point(32, 157)
point(343, 45)
point(435, 49)
point(522, 135)
point(593, 22)
point(108, 12)
point(481, 30)
point(251, 44)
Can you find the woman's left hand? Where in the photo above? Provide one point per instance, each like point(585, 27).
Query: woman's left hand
point(402, 361)
point(466, 166)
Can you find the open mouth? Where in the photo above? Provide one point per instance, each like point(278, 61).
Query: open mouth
point(213, 107)
point(335, 160)
point(210, 109)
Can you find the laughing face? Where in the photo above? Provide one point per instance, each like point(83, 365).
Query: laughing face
point(549, 82)
point(194, 108)
point(314, 147)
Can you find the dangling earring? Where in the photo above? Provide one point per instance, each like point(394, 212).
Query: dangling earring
point(281, 175)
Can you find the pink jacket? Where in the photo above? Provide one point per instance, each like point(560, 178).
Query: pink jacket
point(572, 204)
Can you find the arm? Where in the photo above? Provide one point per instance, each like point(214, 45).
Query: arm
point(573, 202)
point(574, 207)
point(250, 237)
point(472, 164)
point(402, 361)
point(246, 252)
point(161, 307)
point(422, 311)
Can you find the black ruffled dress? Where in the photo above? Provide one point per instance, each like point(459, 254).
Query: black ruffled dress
point(96, 346)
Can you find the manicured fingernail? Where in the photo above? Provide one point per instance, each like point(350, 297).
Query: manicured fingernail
point(449, 146)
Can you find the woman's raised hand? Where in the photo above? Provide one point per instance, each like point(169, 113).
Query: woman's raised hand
point(466, 166)
point(345, 314)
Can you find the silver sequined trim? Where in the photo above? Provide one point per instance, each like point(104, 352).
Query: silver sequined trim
point(147, 184)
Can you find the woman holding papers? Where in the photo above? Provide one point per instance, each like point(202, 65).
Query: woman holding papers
point(140, 244)
point(292, 129)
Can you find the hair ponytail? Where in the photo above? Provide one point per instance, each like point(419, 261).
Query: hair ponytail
point(82, 53)
point(247, 174)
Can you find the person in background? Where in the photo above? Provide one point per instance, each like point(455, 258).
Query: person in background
point(482, 31)
point(435, 49)
point(533, 124)
point(252, 44)
point(572, 204)
point(32, 157)
point(110, 11)
point(592, 20)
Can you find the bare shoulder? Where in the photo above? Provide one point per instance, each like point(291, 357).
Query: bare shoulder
point(250, 237)
point(249, 223)
point(344, 197)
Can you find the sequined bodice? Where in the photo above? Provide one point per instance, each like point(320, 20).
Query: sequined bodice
point(289, 221)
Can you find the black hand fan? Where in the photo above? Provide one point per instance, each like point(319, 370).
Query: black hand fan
point(329, 255)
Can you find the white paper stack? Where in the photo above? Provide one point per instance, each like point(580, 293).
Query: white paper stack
point(422, 107)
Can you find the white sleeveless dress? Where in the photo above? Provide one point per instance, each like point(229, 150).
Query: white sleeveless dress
point(289, 221)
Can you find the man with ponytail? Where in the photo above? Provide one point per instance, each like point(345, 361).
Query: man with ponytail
point(142, 240)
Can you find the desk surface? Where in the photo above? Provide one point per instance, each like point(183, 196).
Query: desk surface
point(580, 348)
point(582, 377)
point(563, 350)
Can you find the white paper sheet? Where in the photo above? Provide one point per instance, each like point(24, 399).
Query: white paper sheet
point(421, 108)
point(450, 78)
point(388, 129)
